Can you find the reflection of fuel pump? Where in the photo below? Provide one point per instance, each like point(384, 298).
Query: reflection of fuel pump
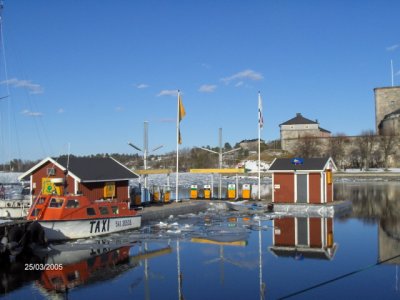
point(193, 191)
point(231, 191)
point(246, 191)
point(207, 191)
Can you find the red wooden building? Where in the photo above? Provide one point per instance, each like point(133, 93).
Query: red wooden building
point(95, 177)
point(308, 182)
point(303, 238)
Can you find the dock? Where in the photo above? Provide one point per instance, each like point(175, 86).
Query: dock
point(333, 209)
point(160, 212)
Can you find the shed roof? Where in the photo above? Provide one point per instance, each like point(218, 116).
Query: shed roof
point(309, 164)
point(88, 169)
point(297, 120)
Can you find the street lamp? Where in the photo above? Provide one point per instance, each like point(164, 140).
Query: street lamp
point(145, 149)
point(220, 156)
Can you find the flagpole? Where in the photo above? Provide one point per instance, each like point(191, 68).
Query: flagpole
point(259, 146)
point(177, 150)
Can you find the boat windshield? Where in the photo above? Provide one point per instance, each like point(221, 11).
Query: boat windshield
point(72, 203)
point(56, 202)
point(103, 210)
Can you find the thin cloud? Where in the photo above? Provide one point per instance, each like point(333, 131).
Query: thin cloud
point(393, 47)
point(33, 88)
point(246, 74)
point(207, 88)
point(239, 83)
point(31, 113)
point(168, 93)
point(142, 86)
point(60, 111)
point(119, 108)
point(397, 73)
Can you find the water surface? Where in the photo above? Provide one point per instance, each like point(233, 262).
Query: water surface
point(225, 255)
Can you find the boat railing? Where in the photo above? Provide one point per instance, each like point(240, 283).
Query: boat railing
point(105, 200)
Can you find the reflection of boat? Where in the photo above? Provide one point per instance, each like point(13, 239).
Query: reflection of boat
point(246, 206)
point(87, 263)
point(303, 238)
point(75, 216)
point(82, 265)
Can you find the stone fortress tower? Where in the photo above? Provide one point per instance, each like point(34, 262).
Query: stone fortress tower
point(387, 110)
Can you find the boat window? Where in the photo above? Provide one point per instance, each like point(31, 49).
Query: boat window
point(72, 203)
point(35, 212)
point(115, 210)
point(90, 211)
point(103, 210)
point(56, 202)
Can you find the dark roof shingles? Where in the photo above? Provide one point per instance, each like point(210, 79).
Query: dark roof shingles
point(283, 164)
point(299, 119)
point(96, 168)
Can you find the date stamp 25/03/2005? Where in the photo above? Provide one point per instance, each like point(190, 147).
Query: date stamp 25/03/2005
point(43, 267)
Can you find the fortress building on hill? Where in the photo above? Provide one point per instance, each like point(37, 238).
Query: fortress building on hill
point(300, 127)
point(387, 110)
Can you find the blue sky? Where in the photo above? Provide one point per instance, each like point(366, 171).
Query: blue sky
point(89, 73)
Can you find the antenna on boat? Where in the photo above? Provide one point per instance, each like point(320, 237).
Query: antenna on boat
point(66, 171)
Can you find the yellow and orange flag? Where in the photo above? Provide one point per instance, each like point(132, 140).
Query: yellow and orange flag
point(181, 114)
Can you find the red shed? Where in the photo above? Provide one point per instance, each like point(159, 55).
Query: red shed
point(307, 180)
point(95, 177)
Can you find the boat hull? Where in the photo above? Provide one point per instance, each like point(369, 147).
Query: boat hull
point(77, 229)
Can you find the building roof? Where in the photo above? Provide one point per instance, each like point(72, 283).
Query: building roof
point(324, 130)
point(88, 169)
point(309, 164)
point(298, 120)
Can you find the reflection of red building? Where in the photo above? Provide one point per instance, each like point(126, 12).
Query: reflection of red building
point(308, 182)
point(303, 237)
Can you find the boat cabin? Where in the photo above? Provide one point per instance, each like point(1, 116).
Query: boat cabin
point(76, 207)
point(305, 181)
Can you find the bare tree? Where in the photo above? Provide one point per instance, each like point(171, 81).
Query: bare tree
point(355, 159)
point(308, 146)
point(387, 146)
point(336, 148)
point(365, 144)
